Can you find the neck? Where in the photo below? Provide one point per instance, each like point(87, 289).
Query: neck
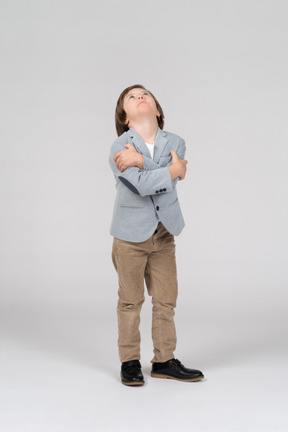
point(147, 130)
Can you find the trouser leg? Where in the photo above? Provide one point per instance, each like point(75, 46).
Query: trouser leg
point(161, 282)
point(129, 260)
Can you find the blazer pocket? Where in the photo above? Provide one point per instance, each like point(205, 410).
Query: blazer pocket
point(131, 206)
point(173, 202)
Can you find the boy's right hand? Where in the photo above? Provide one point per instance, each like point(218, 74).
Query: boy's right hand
point(178, 167)
point(128, 158)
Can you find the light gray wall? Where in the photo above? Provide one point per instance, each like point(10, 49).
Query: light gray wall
point(219, 70)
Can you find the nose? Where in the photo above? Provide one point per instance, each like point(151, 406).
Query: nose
point(140, 97)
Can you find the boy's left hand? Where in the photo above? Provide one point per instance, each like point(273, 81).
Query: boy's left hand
point(128, 158)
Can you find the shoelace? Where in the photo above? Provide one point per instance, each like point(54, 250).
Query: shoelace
point(176, 362)
point(132, 368)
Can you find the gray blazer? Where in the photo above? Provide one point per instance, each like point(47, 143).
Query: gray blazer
point(146, 196)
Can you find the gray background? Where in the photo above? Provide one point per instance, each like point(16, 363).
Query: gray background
point(219, 70)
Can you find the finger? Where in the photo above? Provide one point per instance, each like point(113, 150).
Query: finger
point(116, 156)
point(120, 159)
point(174, 154)
point(130, 147)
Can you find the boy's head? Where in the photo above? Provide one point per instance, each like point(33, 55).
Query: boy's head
point(120, 114)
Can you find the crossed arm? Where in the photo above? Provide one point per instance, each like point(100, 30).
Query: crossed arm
point(143, 175)
point(130, 157)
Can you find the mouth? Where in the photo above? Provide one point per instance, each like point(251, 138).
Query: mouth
point(141, 102)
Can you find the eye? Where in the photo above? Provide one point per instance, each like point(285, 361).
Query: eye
point(142, 93)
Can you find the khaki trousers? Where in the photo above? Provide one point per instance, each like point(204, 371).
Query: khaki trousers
point(153, 261)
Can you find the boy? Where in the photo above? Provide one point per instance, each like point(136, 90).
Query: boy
point(147, 163)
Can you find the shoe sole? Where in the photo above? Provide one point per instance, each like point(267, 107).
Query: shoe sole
point(135, 384)
point(177, 379)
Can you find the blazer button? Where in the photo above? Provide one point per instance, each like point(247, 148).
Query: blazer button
point(160, 190)
point(164, 190)
point(156, 191)
point(157, 208)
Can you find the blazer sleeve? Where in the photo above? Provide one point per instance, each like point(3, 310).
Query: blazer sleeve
point(150, 164)
point(142, 182)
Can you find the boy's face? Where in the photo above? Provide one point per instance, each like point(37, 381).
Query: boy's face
point(139, 103)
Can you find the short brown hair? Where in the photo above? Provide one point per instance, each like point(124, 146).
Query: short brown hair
point(120, 114)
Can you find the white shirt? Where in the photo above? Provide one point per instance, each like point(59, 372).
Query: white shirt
point(150, 148)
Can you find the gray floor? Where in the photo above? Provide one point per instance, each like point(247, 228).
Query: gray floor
point(60, 372)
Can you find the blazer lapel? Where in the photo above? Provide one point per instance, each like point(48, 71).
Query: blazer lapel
point(138, 142)
point(160, 143)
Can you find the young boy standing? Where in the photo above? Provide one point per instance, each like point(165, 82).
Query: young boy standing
point(147, 164)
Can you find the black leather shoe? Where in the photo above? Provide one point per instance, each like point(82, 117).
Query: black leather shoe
point(131, 374)
point(174, 369)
